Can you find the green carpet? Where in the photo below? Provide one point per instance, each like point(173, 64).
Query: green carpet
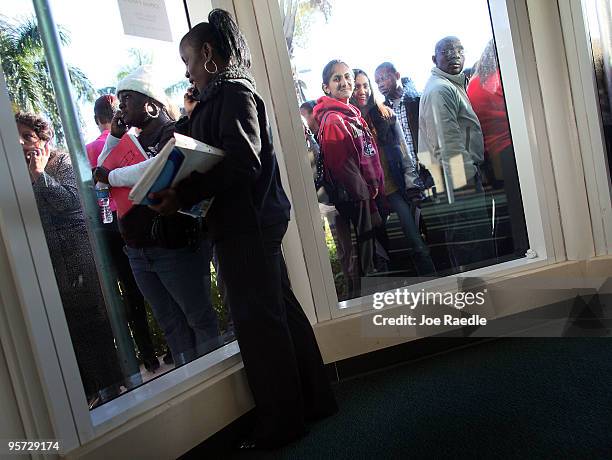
point(509, 398)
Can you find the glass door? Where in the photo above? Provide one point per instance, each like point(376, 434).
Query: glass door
point(599, 17)
point(122, 327)
point(444, 198)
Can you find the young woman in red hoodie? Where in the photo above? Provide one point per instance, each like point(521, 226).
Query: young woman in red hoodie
point(351, 164)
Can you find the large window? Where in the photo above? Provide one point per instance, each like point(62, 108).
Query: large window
point(138, 303)
point(599, 16)
point(417, 177)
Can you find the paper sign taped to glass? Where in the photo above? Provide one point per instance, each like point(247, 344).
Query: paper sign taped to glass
point(181, 156)
point(148, 19)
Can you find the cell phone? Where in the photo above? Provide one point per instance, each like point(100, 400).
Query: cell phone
point(192, 93)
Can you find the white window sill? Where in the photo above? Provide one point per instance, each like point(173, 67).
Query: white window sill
point(161, 389)
point(448, 283)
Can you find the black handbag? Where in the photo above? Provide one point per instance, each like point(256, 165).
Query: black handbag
point(176, 231)
point(426, 178)
point(335, 192)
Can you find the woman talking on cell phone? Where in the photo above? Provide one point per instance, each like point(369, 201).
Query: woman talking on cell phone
point(168, 255)
point(247, 222)
point(64, 223)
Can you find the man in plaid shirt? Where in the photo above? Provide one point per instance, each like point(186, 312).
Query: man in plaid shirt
point(404, 100)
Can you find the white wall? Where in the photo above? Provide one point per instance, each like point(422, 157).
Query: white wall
point(10, 422)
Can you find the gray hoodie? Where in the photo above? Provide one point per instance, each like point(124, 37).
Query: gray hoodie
point(448, 125)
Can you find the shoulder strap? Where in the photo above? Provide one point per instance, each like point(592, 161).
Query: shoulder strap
point(320, 168)
point(320, 131)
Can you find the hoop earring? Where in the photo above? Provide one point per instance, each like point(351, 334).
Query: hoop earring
point(214, 63)
point(148, 109)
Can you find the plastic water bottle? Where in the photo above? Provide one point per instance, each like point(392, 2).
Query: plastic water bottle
point(103, 196)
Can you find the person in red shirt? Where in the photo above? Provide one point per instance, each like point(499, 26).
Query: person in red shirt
point(486, 95)
point(351, 162)
point(104, 109)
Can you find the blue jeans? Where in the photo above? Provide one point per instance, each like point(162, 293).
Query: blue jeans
point(417, 249)
point(176, 283)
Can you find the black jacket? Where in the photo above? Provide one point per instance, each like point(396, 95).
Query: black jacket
point(246, 184)
point(143, 227)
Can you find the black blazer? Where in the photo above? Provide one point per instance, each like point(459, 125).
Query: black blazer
point(246, 184)
point(412, 110)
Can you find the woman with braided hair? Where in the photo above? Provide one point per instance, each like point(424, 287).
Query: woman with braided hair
point(247, 221)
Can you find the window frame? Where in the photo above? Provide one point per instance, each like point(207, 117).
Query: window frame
point(528, 132)
point(577, 39)
point(43, 321)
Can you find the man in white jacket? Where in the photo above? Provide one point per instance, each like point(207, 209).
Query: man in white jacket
point(449, 129)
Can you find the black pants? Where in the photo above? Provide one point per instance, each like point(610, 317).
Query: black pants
point(359, 214)
point(468, 227)
point(516, 212)
point(278, 347)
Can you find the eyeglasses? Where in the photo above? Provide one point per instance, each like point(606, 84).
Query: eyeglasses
point(451, 52)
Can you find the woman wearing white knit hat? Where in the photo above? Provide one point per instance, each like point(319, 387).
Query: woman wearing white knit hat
point(169, 257)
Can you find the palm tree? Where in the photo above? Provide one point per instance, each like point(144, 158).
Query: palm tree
point(177, 88)
point(297, 17)
point(138, 58)
point(27, 73)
